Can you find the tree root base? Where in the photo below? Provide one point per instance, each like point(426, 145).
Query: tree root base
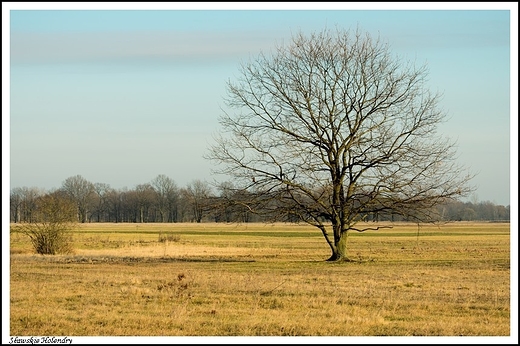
point(340, 260)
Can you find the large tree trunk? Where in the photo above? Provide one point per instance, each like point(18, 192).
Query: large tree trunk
point(339, 248)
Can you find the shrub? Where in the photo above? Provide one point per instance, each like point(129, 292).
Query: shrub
point(54, 217)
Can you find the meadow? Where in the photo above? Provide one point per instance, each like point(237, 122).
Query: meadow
point(264, 280)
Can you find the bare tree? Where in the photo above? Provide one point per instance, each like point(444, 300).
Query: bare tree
point(197, 196)
point(225, 202)
point(232, 204)
point(144, 199)
point(15, 203)
point(80, 190)
point(100, 203)
point(23, 203)
point(332, 129)
point(167, 192)
point(116, 205)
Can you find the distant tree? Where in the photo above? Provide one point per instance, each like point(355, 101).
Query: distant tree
point(224, 203)
point(469, 214)
point(167, 192)
point(503, 213)
point(15, 204)
point(54, 217)
point(80, 190)
point(100, 201)
point(23, 203)
point(197, 196)
point(332, 129)
point(232, 204)
point(144, 198)
point(119, 207)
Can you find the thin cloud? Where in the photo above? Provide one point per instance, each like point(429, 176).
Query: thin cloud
point(100, 47)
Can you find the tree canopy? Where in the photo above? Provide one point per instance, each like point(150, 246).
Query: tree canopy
point(332, 129)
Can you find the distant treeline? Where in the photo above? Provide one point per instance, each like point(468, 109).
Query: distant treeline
point(162, 200)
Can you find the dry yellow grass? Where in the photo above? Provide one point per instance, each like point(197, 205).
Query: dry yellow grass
point(265, 280)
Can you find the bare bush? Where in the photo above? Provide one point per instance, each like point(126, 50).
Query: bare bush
point(55, 217)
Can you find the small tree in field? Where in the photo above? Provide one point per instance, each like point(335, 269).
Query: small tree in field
point(55, 216)
point(332, 130)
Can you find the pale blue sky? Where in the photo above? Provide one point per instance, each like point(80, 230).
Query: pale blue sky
point(120, 97)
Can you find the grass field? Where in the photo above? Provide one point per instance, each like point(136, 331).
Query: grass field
point(264, 280)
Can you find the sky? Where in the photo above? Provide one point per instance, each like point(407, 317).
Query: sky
point(120, 94)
